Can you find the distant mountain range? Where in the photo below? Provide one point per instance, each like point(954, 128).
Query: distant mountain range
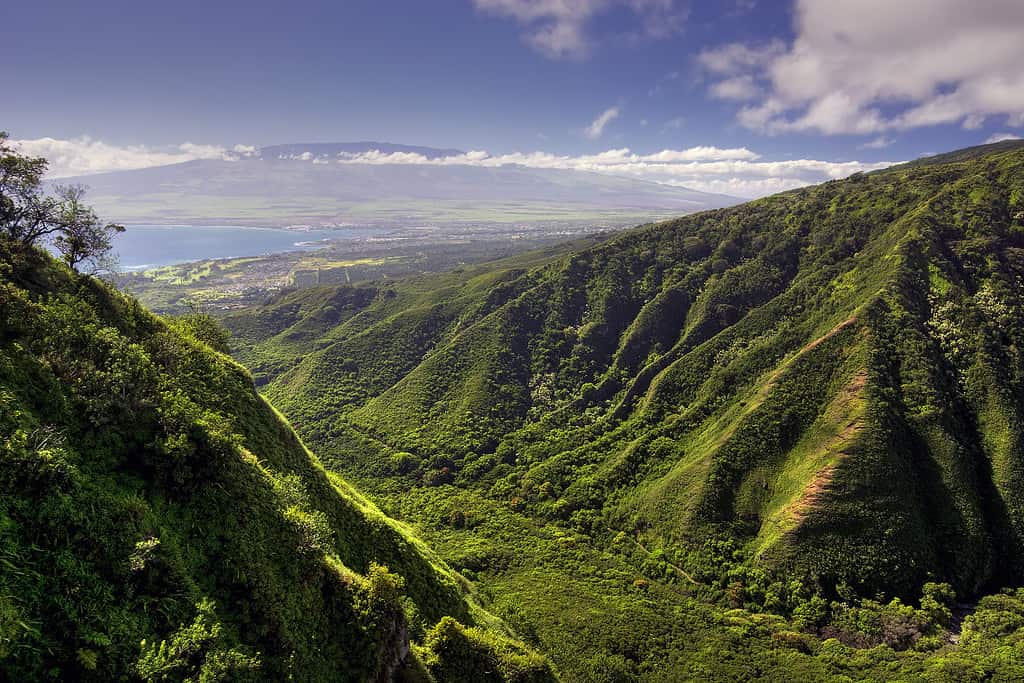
point(333, 149)
point(305, 184)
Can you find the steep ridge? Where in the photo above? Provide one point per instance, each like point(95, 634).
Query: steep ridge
point(149, 495)
point(824, 386)
point(734, 334)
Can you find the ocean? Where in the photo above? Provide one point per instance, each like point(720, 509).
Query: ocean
point(147, 246)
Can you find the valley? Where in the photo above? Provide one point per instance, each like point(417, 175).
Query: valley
point(734, 446)
point(512, 341)
point(777, 441)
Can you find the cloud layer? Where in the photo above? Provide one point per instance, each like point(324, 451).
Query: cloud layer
point(871, 66)
point(737, 171)
point(84, 156)
point(561, 28)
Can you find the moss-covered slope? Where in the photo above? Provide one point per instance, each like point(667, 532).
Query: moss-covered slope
point(160, 521)
point(831, 376)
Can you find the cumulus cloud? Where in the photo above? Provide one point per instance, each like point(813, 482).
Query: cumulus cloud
point(596, 128)
point(84, 156)
point(735, 88)
point(871, 66)
point(734, 58)
point(736, 171)
point(562, 28)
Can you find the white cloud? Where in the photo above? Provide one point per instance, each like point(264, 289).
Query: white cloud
point(734, 58)
point(737, 171)
point(973, 121)
point(84, 156)
point(561, 28)
point(596, 128)
point(881, 142)
point(870, 66)
point(735, 88)
point(999, 137)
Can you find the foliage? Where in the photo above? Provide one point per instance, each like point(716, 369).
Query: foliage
point(456, 653)
point(200, 324)
point(32, 217)
point(193, 654)
point(798, 420)
point(160, 521)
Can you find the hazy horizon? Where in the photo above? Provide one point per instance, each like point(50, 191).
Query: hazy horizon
point(743, 98)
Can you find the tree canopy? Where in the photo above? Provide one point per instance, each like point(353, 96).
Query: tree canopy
point(61, 219)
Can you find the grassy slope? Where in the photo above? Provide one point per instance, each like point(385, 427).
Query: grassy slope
point(826, 381)
point(150, 495)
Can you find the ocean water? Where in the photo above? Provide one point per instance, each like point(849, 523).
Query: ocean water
point(147, 246)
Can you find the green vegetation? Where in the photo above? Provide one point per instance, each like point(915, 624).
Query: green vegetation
point(160, 521)
point(769, 442)
point(60, 219)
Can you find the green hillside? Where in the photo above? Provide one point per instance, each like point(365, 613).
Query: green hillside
point(160, 521)
point(806, 410)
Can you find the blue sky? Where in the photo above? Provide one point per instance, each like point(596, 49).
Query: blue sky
point(823, 80)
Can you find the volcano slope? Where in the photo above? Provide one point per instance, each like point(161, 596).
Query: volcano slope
point(160, 521)
point(807, 408)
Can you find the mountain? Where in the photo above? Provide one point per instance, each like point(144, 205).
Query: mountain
point(305, 184)
point(160, 521)
point(738, 445)
point(966, 154)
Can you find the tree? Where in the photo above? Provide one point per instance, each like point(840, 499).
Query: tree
point(81, 237)
point(204, 327)
point(22, 209)
point(32, 217)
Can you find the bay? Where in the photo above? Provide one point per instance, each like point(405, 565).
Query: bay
point(148, 246)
